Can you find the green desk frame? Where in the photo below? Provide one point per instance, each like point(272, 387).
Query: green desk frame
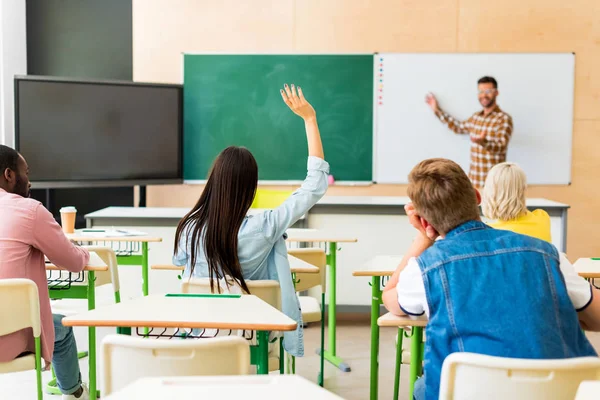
point(84, 292)
point(416, 347)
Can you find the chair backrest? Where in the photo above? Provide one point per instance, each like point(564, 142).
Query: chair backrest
point(127, 358)
point(267, 290)
point(475, 376)
point(19, 306)
point(110, 258)
point(316, 257)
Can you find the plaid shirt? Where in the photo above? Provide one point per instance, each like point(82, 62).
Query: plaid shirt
point(497, 126)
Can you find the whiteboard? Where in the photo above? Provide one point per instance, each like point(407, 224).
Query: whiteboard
point(537, 90)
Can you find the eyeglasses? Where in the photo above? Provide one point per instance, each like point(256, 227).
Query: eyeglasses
point(487, 91)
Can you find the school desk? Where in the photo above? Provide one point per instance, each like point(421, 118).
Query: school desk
point(589, 268)
point(296, 266)
point(125, 248)
point(376, 268)
point(63, 285)
point(331, 240)
point(193, 311)
point(269, 387)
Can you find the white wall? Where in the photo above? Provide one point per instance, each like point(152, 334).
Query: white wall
point(13, 61)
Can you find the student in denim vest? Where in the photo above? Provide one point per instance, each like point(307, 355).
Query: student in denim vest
point(484, 290)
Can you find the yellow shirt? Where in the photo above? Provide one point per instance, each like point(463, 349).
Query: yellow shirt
point(535, 224)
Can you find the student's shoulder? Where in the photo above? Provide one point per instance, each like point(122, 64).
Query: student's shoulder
point(539, 213)
point(25, 203)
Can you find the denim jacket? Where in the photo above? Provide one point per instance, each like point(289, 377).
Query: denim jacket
point(262, 251)
point(497, 293)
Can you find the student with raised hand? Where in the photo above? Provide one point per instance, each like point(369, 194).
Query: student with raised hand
point(218, 240)
point(504, 202)
point(484, 290)
point(28, 232)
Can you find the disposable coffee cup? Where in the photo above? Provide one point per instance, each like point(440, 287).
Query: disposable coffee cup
point(67, 219)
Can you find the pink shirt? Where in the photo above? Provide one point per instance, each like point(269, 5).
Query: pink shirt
point(27, 232)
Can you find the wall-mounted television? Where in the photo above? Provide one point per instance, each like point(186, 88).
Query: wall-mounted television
point(85, 133)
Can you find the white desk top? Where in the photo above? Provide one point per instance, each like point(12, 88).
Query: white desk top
point(246, 312)
point(379, 266)
point(391, 320)
point(588, 390)
point(317, 235)
point(95, 264)
point(296, 266)
point(179, 212)
point(80, 236)
point(587, 267)
point(248, 387)
point(150, 212)
point(386, 265)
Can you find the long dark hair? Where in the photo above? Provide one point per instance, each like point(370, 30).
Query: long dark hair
point(217, 216)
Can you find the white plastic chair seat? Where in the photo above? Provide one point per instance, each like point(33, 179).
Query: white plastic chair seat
point(25, 363)
point(512, 378)
point(311, 309)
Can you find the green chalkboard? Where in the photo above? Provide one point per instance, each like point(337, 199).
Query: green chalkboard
point(235, 100)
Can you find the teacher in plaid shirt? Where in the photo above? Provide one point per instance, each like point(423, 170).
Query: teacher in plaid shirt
point(490, 130)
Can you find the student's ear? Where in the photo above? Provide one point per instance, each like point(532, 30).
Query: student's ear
point(7, 174)
point(478, 197)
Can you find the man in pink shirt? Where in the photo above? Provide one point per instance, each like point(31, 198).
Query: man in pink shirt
point(28, 232)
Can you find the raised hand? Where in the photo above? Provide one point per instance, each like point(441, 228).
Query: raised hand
point(432, 102)
point(297, 103)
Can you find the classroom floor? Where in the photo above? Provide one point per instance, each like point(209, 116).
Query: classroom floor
point(353, 347)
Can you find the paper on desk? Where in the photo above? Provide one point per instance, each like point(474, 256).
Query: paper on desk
point(110, 233)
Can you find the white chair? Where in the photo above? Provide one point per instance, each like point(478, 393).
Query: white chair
point(127, 358)
point(267, 290)
point(20, 309)
point(467, 376)
point(588, 390)
point(312, 310)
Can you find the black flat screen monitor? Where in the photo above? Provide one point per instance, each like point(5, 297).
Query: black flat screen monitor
point(77, 133)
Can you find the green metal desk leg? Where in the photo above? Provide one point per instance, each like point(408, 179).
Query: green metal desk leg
point(321, 377)
point(263, 352)
point(92, 335)
point(145, 290)
point(398, 362)
point(330, 355)
point(416, 358)
point(375, 302)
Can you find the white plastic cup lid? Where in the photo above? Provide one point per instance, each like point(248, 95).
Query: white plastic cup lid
point(69, 209)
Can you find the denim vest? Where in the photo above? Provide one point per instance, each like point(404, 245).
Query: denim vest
point(497, 293)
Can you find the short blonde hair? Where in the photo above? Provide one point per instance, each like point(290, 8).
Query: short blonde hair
point(504, 192)
point(442, 193)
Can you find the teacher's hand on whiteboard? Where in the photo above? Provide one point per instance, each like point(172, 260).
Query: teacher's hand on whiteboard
point(432, 102)
point(297, 103)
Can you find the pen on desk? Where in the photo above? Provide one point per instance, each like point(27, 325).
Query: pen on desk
point(93, 230)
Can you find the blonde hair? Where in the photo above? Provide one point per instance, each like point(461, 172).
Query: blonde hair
point(442, 194)
point(504, 192)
